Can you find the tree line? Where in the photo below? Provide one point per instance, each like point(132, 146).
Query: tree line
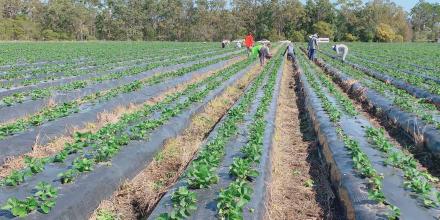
point(214, 20)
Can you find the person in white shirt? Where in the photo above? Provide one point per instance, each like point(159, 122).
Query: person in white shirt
point(225, 43)
point(341, 50)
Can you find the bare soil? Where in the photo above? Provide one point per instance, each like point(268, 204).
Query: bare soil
point(299, 186)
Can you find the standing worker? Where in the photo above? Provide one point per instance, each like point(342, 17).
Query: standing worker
point(290, 52)
point(341, 50)
point(249, 42)
point(313, 46)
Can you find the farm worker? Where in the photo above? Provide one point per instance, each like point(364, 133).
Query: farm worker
point(238, 44)
point(308, 46)
point(249, 42)
point(255, 49)
point(341, 50)
point(290, 52)
point(225, 43)
point(313, 46)
point(262, 51)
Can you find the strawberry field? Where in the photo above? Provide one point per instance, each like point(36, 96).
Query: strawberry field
point(171, 130)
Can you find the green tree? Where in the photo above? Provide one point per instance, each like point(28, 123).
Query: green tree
point(425, 20)
point(385, 33)
point(324, 29)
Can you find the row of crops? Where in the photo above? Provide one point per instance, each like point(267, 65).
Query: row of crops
point(167, 130)
point(378, 121)
point(42, 100)
point(72, 130)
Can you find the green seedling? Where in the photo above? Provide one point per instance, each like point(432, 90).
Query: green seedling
point(36, 165)
point(395, 213)
point(241, 168)
point(21, 208)
point(201, 175)
point(68, 176)
point(184, 202)
point(232, 200)
point(105, 215)
point(309, 183)
point(14, 179)
point(46, 191)
point(60, 157)
point(83, 164)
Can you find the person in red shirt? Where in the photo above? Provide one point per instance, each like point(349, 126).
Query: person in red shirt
point(249, 42)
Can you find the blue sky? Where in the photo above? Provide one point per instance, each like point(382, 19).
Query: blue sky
point(406, 4)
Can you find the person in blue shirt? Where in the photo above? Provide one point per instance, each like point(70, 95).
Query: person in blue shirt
point(313, 46)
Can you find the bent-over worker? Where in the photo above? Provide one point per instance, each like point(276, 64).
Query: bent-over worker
point(290, 52)
point(225, 43)
point(341, 50)
point(262, 51)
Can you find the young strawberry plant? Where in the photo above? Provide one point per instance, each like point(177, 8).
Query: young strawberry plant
point(46, 195)
point(106, 142)
point(241, 168)
point(201, 175)
point(21, 208)
point(68, 176)
point(184, 202)
point(231, 201)
point(36, 165)
point(83, 164)
point(14, 179)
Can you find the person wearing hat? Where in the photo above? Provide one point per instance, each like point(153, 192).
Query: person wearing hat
point(313, 46)
point(341, 50)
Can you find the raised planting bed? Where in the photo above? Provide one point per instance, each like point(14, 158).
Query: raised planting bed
point(416, 72)
point(416, 57)
point(423, 133)
point(227, 179)
point(67, 108)
point(373, 178)
point(37, 99)
point(52, 71)
point(416, 91)
point(102, 157)
point(79, 79)
point(24, 141)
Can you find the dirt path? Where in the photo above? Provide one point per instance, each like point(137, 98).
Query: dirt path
point(299, 188)
point(137, 197)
